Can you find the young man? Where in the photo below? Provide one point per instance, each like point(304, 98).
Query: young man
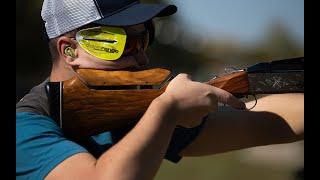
point(42, 151)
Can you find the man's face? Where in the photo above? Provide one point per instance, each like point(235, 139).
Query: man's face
point(133, 60)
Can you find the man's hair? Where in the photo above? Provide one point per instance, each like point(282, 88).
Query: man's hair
point(53, 48)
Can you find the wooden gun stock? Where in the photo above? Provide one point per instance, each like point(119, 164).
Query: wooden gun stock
point(98, 101)
point(117, 103)
point(236, 83)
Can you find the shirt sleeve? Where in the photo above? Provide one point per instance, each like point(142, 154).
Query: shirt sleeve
point(40, 146)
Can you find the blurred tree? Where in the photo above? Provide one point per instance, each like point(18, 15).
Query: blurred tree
point(280, 42)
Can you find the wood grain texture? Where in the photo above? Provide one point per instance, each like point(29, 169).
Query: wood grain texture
point(88, 111)
point(236, 83)
point(116, 78)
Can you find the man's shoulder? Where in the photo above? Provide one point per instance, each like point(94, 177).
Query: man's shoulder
point(40, 145)
point(36, 101)
point(32, 123)
point(21, 116)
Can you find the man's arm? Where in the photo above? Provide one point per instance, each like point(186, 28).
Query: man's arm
point(138, 155)
point(277, 118)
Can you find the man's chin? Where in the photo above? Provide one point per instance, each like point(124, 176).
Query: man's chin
point(130, 62)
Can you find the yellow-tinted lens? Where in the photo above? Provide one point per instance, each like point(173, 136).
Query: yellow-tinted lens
point(106, 43)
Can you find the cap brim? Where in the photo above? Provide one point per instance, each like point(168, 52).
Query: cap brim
point(137, 13)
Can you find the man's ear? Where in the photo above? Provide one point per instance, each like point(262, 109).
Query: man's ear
point(67, 49)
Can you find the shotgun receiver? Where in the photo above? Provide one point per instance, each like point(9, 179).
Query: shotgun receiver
point(96, 101)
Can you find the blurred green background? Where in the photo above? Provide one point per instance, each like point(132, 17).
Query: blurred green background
point(202, 39)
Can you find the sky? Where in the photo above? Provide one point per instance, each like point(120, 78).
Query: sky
point(245, 20)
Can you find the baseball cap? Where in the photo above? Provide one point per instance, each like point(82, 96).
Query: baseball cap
point(61, 16)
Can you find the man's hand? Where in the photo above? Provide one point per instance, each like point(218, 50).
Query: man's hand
point(191, 101)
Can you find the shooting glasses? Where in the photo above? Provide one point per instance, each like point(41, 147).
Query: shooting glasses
point(110, 43)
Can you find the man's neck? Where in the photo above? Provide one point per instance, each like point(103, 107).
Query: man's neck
point(61, 71)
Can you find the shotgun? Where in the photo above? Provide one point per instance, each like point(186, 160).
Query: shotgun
point(96, 101)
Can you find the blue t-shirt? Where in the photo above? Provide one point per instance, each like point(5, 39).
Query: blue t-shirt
point(41, 144)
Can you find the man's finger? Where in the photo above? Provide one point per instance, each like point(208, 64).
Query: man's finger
point(227, 98)
point(184, 76)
